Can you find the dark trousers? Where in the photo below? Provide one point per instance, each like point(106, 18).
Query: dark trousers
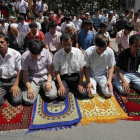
point(70, 83)
point(5, 89)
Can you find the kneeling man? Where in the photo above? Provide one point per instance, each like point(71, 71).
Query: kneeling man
point(10, 69)
point(37, 72)
point(99, 59)
point(68, 65)
point(127, 65)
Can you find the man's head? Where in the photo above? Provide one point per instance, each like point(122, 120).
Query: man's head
point(126, 12)
point(134, 42)
point(128, 28)
point(59, 12)
point(103, 27)
point(97, 11)
point(2, 21)
point(67, 19)
point(35, 47)
point(40, 14)
point(66, 40)
point(87, 25)
point(46, 19)
point(69, 28)
point(122, 17)
point(131, 12)
point(136, 15)
point(12, 19)
point(77, 15)
point(105, 13)
point(29, 15)
point(110, 15)
point(33, 19)
point(4, 42)
point(21, 19)
point(52, 27)
point(51, 14)
point(14, 29)
point(87, 16)
point(33, 28)
point(101, 43)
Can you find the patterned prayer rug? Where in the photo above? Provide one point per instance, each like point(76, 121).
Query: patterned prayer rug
point(100, 110)
point(13, 118)
point(130, 104)
point(56, 114)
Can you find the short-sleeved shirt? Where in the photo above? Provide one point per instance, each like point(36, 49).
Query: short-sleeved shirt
point(98, 63)
point(128, 63)
point(78, 24)
point(63, 26)
point(96, 20)
point(52, 41)
point(85, 40)
point(58, 19)
point(37, 68)
point(23, 28)
point(10, 66)
point(136, 24)
point(68, 63)
point(22, 6)
point(105, 34)
point(39, 35)
point(123, 39)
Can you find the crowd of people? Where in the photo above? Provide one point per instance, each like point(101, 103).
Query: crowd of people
point(53, 52)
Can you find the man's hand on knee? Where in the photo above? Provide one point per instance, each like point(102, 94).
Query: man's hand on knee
point(30, 93)
point(61, 90)
point(48, 86)
point(109, 85)
point(15, 90)
point(89, 87)
point(81, 88)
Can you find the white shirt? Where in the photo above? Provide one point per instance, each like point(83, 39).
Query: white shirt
point(38, 26)
point(68, 63)
point(63, 26)
point(23, 28)
point(22, 6)
point(98, 63)
point(78, 24)
point(4, 29)
point(40, 20)
point(10, 66)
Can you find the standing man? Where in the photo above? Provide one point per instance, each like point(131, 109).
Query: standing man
point(85, 36)
point(45, 25)
point(40, 18)
point(17, 40)
point(59, 17)
point(52, 38)
point(127, 65)
point(3, 26)
point(98, 58)
point(68, 65)
point(78, 22)
point(37, 69)
point(10, 68)
point(22, 7)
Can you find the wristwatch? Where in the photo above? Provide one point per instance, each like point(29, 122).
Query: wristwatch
point(50, 81)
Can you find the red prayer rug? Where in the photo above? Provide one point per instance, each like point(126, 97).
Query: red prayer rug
point(13, 118)
point(130, 104)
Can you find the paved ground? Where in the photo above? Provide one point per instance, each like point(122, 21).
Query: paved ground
point(121, 130)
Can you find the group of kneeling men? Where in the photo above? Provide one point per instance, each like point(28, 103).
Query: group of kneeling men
point(35, 69)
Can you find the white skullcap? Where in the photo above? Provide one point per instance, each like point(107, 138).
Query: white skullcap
point(13, 25)
point(87, 14)
point(68, 25)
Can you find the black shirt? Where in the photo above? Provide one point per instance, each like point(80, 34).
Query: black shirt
point(128, 63)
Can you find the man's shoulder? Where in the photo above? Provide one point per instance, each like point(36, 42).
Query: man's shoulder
point(91, 50)
point(25, 55)
point(14, 52)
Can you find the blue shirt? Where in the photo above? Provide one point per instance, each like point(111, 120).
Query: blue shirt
point(85, 40)
point(96, 20)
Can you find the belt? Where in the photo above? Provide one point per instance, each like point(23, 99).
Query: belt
point(70, 75)
point(7, 80)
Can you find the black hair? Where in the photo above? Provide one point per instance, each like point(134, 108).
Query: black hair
point(52, 23)
point(127, 11)
point(96, 9)
point(129, 26)
point(35, 46)
point(101, 41)
point(134, 37)
point(39, 12)
point(103, 24)
point(66, 37)
point(5, 37)
point(87, 22)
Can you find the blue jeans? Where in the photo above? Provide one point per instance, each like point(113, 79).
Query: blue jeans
point(132, 78)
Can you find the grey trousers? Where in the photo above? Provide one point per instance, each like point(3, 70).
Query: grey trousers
point(36, 87)
point(5, 87)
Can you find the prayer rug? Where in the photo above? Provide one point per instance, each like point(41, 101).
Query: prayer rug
point(13, 118)
point(56, 114)
point(130, 104)
point(100, 110)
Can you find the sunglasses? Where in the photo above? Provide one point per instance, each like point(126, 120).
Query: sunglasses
point(1, 42)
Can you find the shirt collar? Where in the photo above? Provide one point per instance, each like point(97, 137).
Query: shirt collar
point(8, 53)
point(72, 51)
point(36, 33)
point(41, 55)
point(54, 34)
